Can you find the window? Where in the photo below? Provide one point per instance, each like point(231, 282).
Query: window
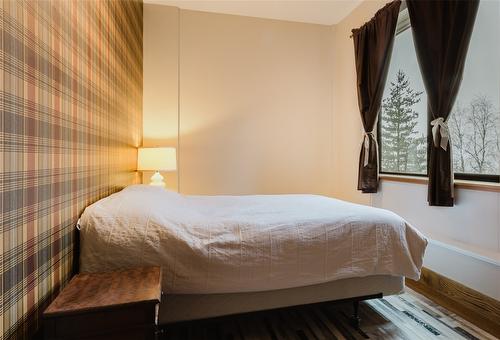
point(474, 121)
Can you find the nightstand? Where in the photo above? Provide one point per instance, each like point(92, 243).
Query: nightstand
point(115, 305)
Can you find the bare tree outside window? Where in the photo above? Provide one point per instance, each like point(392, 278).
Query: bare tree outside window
point(474, 131)
point(457, 124)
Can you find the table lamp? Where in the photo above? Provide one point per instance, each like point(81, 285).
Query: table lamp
point(156, 159)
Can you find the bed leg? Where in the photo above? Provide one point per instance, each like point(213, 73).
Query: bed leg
point(355, 319)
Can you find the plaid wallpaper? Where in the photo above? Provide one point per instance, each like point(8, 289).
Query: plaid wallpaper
point(71, 117)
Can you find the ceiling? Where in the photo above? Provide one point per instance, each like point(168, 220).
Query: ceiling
point(326, 12)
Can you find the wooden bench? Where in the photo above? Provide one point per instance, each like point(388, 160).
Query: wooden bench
point(116, 305)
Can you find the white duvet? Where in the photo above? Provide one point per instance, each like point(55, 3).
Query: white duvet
point(223, 244)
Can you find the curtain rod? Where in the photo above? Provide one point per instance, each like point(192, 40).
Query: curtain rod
point(403, 6)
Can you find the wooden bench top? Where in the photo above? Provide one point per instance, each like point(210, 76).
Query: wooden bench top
point(92, 291)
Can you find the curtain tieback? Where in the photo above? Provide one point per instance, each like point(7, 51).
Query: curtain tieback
point(439, 126)
point(366, 145)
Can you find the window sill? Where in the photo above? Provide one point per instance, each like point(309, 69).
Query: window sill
point(460, 184)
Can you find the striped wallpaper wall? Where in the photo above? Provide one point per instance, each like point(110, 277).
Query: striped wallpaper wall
point(71, 117)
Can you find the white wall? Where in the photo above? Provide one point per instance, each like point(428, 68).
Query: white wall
point(255, 101)
point(256, 107)
point(160, 72)
point(465, 239)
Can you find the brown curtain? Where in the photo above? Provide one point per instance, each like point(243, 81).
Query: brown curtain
point(372, 47)
point(441, 34)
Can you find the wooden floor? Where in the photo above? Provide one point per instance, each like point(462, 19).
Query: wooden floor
point(407, 316)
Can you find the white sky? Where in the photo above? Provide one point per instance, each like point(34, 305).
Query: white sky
point(482, 69)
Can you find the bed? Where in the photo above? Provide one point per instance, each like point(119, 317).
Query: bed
point(230, 254)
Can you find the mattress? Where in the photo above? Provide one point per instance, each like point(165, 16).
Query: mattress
point(233, 244)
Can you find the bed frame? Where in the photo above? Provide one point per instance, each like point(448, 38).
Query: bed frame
point(354, 319)
point(185, 307)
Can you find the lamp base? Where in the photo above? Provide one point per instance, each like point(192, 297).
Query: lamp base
point(157, 180)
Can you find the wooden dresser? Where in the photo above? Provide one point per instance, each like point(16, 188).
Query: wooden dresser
point(116, 305)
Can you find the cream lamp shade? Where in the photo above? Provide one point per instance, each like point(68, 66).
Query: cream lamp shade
point(156, 159)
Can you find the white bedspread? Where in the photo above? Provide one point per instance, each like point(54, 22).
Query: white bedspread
point(223, 244)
